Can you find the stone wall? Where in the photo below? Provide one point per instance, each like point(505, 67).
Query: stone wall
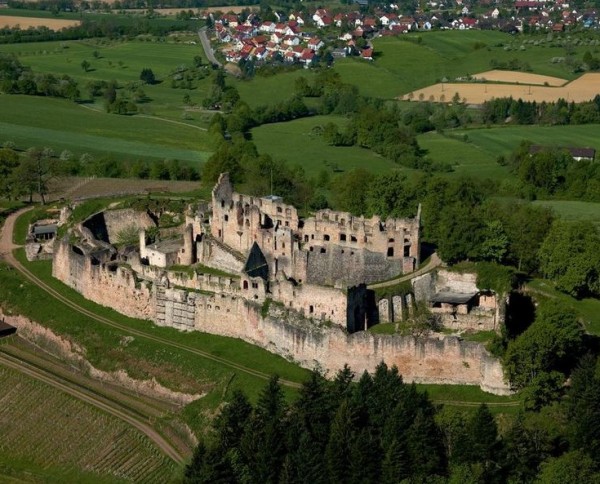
point(333, 265)
point(283, 331)
point(444, 360)
point(107, 284)
point(214, 254)
point(107, 225)
point(324, 303)
point(484, 313)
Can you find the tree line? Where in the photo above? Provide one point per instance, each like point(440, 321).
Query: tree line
point(23, 174)
point(383, 430)
point(561, 112)
point(15, 78)
point(111, 26)
point(553, 173)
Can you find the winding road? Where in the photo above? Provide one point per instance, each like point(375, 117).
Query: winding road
point(210, 55)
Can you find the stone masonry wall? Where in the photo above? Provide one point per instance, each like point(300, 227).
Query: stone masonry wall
point(117, 288)
point(284, 331)
point(107, 225)
point(350, 267)
point(446, 360)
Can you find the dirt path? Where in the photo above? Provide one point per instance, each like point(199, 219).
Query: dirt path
point(171, 121)
point(434, 262)
point(6, 243)
point(10, 259)
point(148, 116)
point(103, 404)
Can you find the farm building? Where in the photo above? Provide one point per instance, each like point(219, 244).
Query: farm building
point(578, 154)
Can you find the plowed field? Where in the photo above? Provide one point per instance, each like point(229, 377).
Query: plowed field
point(26, 22)
point(580, 90)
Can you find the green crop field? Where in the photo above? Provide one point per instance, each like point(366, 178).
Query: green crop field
point(296, 142)
point(49, 436)
point(60, 124)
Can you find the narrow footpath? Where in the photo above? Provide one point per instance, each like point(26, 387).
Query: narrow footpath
point(434, 262)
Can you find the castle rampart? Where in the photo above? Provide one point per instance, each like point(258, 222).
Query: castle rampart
point(284, 330)
point(298, 286)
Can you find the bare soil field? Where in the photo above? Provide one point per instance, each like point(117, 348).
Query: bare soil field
point(519, 78)
point(26, 22)
point(77, 188)
point(580, 90)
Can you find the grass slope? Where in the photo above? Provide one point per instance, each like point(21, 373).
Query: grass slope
point(295, 142)
point(573, 210)
point(60, 124)
point(123, 62)
point(588, 309)
point(484, 145)
point(464, 157)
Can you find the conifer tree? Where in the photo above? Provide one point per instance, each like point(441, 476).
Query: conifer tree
point(340, 444)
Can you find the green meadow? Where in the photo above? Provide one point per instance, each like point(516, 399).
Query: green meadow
point(588, 309)
point(297, 143)
point(268, 90)
point(61, 124)
point(123, 62)
point(464, 157)
point(475, 151)
point(574, 210)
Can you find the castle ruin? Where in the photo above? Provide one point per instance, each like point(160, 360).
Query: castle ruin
point(251, 268)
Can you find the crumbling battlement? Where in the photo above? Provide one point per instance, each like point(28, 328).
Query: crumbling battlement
point(112, 225)
point(105, 283)
point(382, 248)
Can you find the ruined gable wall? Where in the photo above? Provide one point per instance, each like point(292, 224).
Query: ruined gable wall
point(344, 229)
point(107, 225)
point(213, 254)
point(115, 289)
point(324, 303)
point(487, 316)
point(194, 281)
point(455, 281)
point(123, 219)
